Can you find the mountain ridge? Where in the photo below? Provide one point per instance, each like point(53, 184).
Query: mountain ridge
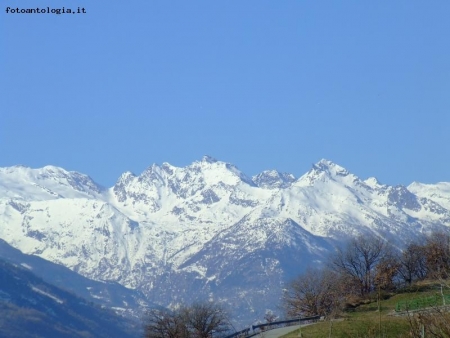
point(166, 231)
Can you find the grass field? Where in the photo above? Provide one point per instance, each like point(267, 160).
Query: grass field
point(366, 321)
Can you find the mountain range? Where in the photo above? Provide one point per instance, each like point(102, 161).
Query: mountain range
point(207, 230)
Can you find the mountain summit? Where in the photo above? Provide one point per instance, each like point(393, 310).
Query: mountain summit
point(207, 230)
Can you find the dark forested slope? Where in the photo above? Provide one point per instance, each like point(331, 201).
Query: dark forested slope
point(30, 307)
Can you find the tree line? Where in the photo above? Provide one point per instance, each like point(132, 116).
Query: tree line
point(365, 265)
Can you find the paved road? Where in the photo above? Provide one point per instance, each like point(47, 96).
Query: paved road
point(275, 333)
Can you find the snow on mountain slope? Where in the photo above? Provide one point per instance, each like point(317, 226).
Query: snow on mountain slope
point(20, 182)
point(205, 188)
point(439, 192)
point(78, 233)
point(206, 230)
point(105, 294)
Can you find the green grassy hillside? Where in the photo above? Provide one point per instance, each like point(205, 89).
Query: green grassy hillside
point(365, 320)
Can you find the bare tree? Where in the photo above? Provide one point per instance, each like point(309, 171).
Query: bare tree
point(437, 254)
point(412, 263)
point(430, 259)
point(359, 259)
point(200, 320)
point(205, 320)
point(386, 273)
point(315, 292)
point(163, 323)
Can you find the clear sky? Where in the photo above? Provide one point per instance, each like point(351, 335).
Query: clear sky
point(274, 84)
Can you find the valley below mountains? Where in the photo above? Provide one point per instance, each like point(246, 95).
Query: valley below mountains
point(206, 231)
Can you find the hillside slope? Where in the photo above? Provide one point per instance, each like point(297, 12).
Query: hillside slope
point(30, 307)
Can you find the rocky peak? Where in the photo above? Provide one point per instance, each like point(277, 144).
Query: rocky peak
point(272, 179)
point(401, 197)
point(323, 171)
point(330, 168)
point(208, 159)
point(372, 182)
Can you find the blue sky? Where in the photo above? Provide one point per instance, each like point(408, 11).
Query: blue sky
point(260, 84)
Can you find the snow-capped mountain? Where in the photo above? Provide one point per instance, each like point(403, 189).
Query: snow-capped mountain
point(207, 230)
